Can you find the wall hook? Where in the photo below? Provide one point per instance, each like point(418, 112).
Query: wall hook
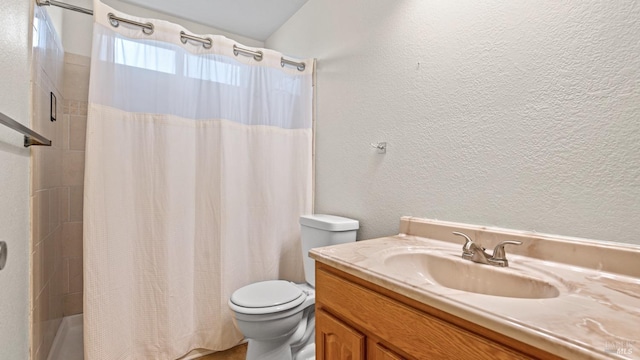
point(381, 146)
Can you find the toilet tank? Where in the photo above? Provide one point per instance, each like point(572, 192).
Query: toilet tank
point(323, 230)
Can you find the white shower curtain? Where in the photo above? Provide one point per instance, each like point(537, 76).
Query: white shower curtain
point(198, 165)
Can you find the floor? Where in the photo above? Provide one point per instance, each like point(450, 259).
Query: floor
point(237, 353)
point(68, 344)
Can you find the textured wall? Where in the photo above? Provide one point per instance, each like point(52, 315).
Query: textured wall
point(15, 23)
point(76, 94)
point(518, 114)
point(48, 203)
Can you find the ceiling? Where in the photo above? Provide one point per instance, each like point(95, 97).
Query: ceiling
point(256, 19)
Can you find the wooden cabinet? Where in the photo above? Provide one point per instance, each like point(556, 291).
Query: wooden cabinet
point(356, 319)
point(339, 341)
point(377, 351)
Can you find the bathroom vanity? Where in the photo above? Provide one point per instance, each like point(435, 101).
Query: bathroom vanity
point(411, 296)
point(356, 319)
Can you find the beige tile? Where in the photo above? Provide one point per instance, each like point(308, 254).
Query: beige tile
point(57, 237)
point(83, 108)
point(59, 62)
point(65, 276)
point(55, 298)
point(54, 167)
point(73, 168)
point(72, 239)
point(56, 261)
point(37, 273)
point(76, 203)
point(42, 314)
point(40, 355)
point(35, 348)
point(63, 198)
point(76, 59)
point(75, 275)
point(36, 330)
point(77, 132)
point(74, 107)
point(72, 304)
point(41, 156)
point(40, 213)
point(37, 101)
point(59, 125)
point(76, 82)
point(35, 219)
point(38, 173)
point(44, 213)
point(65, 132)
point(68, 104)
point(49, 168)
point(49, 255)
point(54, 209)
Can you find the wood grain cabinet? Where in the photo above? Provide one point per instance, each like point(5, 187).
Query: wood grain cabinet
point(338, 340)
point(357, 320)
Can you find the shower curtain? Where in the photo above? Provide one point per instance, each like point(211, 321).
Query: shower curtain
point(198, 165)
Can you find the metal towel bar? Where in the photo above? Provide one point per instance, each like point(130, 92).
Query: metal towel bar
point(30, 137)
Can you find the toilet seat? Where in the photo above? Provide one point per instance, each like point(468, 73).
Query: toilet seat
point(267, 297)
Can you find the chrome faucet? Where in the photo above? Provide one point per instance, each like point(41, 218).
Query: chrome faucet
point(471, 251)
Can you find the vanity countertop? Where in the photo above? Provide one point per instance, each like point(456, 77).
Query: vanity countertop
point(595, 316)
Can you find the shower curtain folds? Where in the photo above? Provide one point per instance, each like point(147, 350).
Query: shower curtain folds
point(198, 166)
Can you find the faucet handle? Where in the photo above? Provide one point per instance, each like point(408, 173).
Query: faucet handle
point(466, 248)
point(499, 256)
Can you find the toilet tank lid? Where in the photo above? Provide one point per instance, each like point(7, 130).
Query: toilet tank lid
point(329, 222)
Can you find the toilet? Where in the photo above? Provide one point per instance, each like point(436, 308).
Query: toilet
point(278, 316)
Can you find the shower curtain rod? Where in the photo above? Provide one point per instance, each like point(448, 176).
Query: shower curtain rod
point(147, 28)
point(64, 6)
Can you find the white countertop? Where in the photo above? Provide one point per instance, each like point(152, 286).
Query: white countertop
point(596, 314)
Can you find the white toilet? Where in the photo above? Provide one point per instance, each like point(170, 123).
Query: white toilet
point(277, 316)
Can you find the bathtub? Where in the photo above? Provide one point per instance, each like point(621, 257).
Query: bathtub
point(68, 343)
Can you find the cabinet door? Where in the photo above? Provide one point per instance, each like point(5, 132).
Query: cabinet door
point(336, 340)
point(377, 351)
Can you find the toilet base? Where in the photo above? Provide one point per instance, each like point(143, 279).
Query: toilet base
point(307, 353)
point(297, 345)
point(268, 350)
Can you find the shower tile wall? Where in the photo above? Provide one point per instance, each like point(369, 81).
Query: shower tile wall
point(47, 194)
point(74, 121)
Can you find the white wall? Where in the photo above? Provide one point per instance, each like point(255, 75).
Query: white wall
point(518, 114)
point(15, 27)
point(78, 27)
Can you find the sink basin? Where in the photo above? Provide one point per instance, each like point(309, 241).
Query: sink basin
point(451, 271)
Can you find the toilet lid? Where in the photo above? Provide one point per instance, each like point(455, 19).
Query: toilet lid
point(268, 294)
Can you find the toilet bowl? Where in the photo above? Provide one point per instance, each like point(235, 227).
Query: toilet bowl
point(278, 316)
